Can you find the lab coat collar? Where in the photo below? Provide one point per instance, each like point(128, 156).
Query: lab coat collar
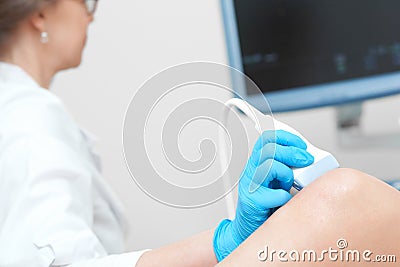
point(13, 73)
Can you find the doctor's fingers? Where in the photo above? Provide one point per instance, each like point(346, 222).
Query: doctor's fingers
point(280, 137)
point(270, 198)
point(288, 155)
point(267, 172)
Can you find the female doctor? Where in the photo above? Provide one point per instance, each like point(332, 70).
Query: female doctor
point(55, 209)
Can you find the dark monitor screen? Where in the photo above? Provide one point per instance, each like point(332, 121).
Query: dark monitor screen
point(286, 45)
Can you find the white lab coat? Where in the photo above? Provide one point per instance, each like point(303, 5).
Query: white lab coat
point(55, 208)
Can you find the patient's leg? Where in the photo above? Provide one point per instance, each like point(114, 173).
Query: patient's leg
point(341, 204)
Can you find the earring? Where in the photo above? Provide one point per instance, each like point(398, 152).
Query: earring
point(44, 37)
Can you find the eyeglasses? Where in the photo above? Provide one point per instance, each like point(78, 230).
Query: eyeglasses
point(91, 6)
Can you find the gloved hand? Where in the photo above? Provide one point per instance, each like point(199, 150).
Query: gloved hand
point(269, 167)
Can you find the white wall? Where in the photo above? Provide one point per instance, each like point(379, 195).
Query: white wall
point(132, 40)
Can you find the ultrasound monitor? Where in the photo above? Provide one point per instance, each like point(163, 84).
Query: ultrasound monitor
point(311, 53)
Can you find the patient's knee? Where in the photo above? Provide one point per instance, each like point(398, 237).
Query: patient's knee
point(341, 182)
point(334, 190)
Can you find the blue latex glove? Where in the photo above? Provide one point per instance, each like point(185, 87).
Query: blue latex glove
point(269, 168)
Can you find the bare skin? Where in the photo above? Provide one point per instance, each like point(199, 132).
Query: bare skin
point(343, 204)
point(355, 206)
point(66, 23)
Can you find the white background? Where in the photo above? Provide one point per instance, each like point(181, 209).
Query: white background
point(129, 42)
